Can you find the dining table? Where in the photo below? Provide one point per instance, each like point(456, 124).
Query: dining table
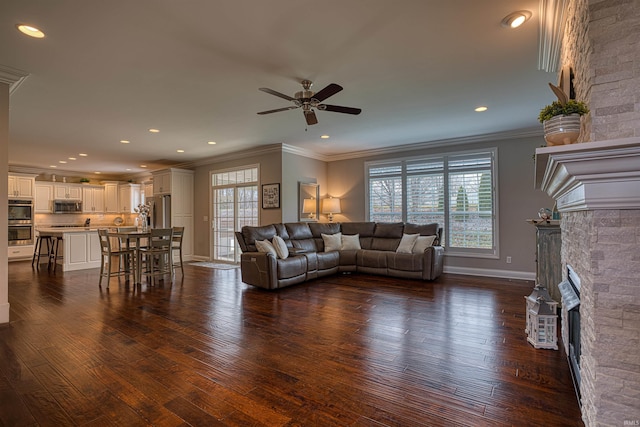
point(135, 237)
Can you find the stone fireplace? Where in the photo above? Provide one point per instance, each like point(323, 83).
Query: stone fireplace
point(597, 189)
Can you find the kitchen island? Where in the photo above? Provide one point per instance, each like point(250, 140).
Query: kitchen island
point(80, 246)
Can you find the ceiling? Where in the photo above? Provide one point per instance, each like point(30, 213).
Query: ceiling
point(110, 70)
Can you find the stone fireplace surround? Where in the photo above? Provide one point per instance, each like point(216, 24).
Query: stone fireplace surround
point(597, 189)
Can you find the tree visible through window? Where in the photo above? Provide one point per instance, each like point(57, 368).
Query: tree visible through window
point(456, 190)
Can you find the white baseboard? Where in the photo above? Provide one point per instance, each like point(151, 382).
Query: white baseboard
point(503, 274)
point(199, 258)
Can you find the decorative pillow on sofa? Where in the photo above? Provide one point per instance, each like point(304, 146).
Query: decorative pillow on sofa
point(350, 242)
point(280, 246)
point(406, 243)
point(422, 243)
point(332, 242)
point(266, 247)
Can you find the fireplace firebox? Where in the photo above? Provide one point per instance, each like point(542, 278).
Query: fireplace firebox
point(570, 290)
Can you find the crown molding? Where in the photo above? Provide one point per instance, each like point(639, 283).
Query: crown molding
point(13, 77)
point(257, 151)
point(292, 149)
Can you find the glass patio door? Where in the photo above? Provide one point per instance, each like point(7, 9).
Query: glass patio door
point(235, 204)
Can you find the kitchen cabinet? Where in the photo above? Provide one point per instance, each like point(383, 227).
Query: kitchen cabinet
point(44, 196)
point(129, 197)
point(21, 185)
point(111, 195)
point(67, 191)
point(147, 191)
point(20, 252)
point(162, 182)
point(92, 199)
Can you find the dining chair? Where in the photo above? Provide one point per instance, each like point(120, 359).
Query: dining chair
point(156, 256)
point(176, 246)
point(125, 259)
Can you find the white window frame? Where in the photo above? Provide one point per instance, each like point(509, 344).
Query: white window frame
point(492, 253)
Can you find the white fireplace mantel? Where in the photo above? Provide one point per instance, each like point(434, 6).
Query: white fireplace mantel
point(591, 175)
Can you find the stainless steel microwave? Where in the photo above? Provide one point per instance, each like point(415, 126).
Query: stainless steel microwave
point(67, 206)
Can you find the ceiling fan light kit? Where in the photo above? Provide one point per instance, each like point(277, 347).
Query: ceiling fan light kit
point(309, 100)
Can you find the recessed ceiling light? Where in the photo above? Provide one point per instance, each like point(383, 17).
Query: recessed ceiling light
point(82, 155)
point(30, 31)
point(72, 158)
point(515, 19)
point(143, 166)
point(481, 109)
point(211, 143)
point(52, 166)
point(154, 130)
point(62, 161)
point(325, 137)
point(124, 141)
point(128, 169)
point(180, 151)
point(97, 173)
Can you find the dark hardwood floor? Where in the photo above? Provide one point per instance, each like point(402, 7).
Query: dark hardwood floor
point(208, 350)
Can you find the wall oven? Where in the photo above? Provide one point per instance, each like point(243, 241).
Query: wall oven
point(20, 220)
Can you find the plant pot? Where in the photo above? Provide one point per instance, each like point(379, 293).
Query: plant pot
point(561, 130)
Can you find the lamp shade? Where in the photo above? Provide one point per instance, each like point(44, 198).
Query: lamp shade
point(331, 206)
point(309, 206)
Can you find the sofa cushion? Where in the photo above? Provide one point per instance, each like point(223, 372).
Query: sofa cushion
point(308, 245)
point(350, 242)
point(389, 229)
point(281, 230)
point(328, 260)
point(404, 262)
point(364, 229)
point(371, 258)
point(406, 243)
point(320, 228)
point(266, 247)
point(422, 229)
point(332, 242)
point(291, 267)
point(251, 234)
point(298, 230)
point(280, 247)
point(422, 243)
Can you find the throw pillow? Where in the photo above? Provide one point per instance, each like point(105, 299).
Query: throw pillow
point(350, 242)
point(280, 247)
point(406, 243)
point(266, 247)
point(331, 241)
point(422, 243)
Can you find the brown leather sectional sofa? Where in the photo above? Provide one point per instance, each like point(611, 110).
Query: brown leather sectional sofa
point(307, 258)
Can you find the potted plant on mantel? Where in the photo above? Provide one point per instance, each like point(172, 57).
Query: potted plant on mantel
point(561, 119)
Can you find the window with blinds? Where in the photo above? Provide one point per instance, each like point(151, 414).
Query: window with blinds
point(455, 190)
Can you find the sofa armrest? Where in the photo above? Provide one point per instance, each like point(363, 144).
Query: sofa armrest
point(434, 262)
point(259, 269)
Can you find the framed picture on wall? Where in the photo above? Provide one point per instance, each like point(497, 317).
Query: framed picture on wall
point(271, 196)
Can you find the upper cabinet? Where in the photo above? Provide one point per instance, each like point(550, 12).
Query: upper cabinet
point(111, 195)
point(67, 191)
point(21, 185)
point(44, 196)
point(92, 199)
point(129, 197)
point(162, 182)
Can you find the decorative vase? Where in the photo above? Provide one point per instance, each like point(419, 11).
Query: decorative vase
point(142, 222)
point(560, 130)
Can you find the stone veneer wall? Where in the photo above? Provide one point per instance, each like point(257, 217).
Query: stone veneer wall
point(602, 41)
point(602, 246)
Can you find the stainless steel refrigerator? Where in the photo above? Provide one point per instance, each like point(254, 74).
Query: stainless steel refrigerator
point(160, 215)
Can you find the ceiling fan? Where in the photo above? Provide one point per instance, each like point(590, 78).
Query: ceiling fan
point(308, 100)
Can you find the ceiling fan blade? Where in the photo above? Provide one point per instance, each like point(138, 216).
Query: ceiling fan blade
point(293, 107)
point(340, 109)
point(310, 117)
point(328, 91)
point(278, 94)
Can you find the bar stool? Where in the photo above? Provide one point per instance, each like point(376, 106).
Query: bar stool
point(37, 252)
point(53, 253)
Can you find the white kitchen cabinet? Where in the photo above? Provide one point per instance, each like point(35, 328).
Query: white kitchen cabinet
point(81, 250)
point(147, 191)
point(129, 197)
point(111, 195)
point(20, 252)
point(162, 182)
point(21, 185)
point(92, 199)
point(44, 196)
point(67, 191)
